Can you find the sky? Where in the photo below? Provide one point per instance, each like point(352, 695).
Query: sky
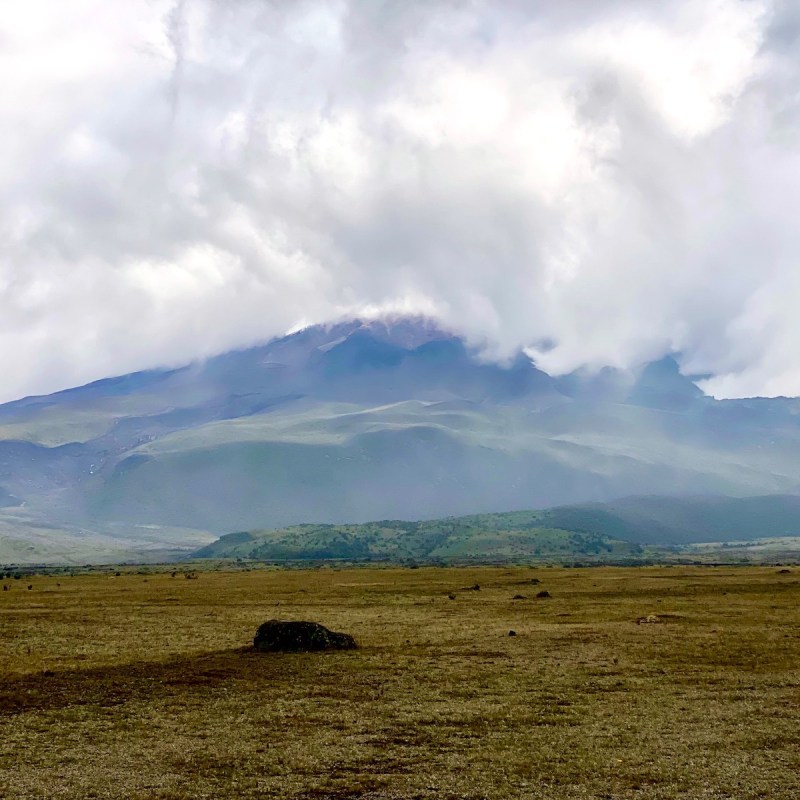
point(599, 182)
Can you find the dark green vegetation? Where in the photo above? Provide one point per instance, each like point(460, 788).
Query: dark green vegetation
point(143, 687)
point(597, 532)
point(507, 537)
point(360, 422)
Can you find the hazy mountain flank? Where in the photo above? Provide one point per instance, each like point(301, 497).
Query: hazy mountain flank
point(379, 420)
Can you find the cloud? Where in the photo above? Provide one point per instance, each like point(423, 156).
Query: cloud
point(614, 179)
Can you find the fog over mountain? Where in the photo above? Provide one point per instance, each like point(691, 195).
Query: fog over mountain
point(599, 184)
point(391, 419)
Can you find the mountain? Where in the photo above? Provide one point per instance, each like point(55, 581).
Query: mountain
point(370, 420)
point(605, 532)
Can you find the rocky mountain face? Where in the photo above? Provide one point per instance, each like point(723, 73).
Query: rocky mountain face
point(372, 420)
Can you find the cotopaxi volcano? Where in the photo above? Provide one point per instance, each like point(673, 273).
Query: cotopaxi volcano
point(360, 421)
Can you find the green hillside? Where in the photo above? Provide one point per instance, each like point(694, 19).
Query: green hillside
point(499, 537)
point(595, 532)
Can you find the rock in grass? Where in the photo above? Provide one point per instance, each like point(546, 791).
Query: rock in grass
point(278, 636)
point(650, 619)
point(543, 594)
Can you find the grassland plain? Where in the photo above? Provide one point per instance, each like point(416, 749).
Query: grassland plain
point(141, 685)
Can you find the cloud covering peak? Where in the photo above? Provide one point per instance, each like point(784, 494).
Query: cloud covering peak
point(598, 182)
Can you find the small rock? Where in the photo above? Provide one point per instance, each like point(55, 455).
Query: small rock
point(784, 572)
point(544, 593)
point(519, 597)
point(535, 581)
point(650, 619)
point(452, 596)
point(512, 633)
point(278, 636)
point(474, 588)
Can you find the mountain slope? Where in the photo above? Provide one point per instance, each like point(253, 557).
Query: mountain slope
point(335, 463)
point(684, 520)
point(369, 420)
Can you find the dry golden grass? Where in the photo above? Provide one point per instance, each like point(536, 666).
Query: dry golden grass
point(141, 686)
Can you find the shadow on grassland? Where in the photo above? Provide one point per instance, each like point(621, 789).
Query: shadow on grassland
point(145, 681)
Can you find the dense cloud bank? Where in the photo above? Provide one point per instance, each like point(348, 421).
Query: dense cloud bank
point(599, 182)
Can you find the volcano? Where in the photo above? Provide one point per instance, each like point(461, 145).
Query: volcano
point(364, 420)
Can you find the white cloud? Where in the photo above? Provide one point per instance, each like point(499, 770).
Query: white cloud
point(613, 178)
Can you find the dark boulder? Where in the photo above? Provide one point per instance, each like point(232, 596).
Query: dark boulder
point(277, 636)
point(543, 594)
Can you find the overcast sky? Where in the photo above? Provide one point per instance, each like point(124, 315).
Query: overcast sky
point(599, 181)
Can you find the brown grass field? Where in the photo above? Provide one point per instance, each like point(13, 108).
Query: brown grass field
point(142, 686)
